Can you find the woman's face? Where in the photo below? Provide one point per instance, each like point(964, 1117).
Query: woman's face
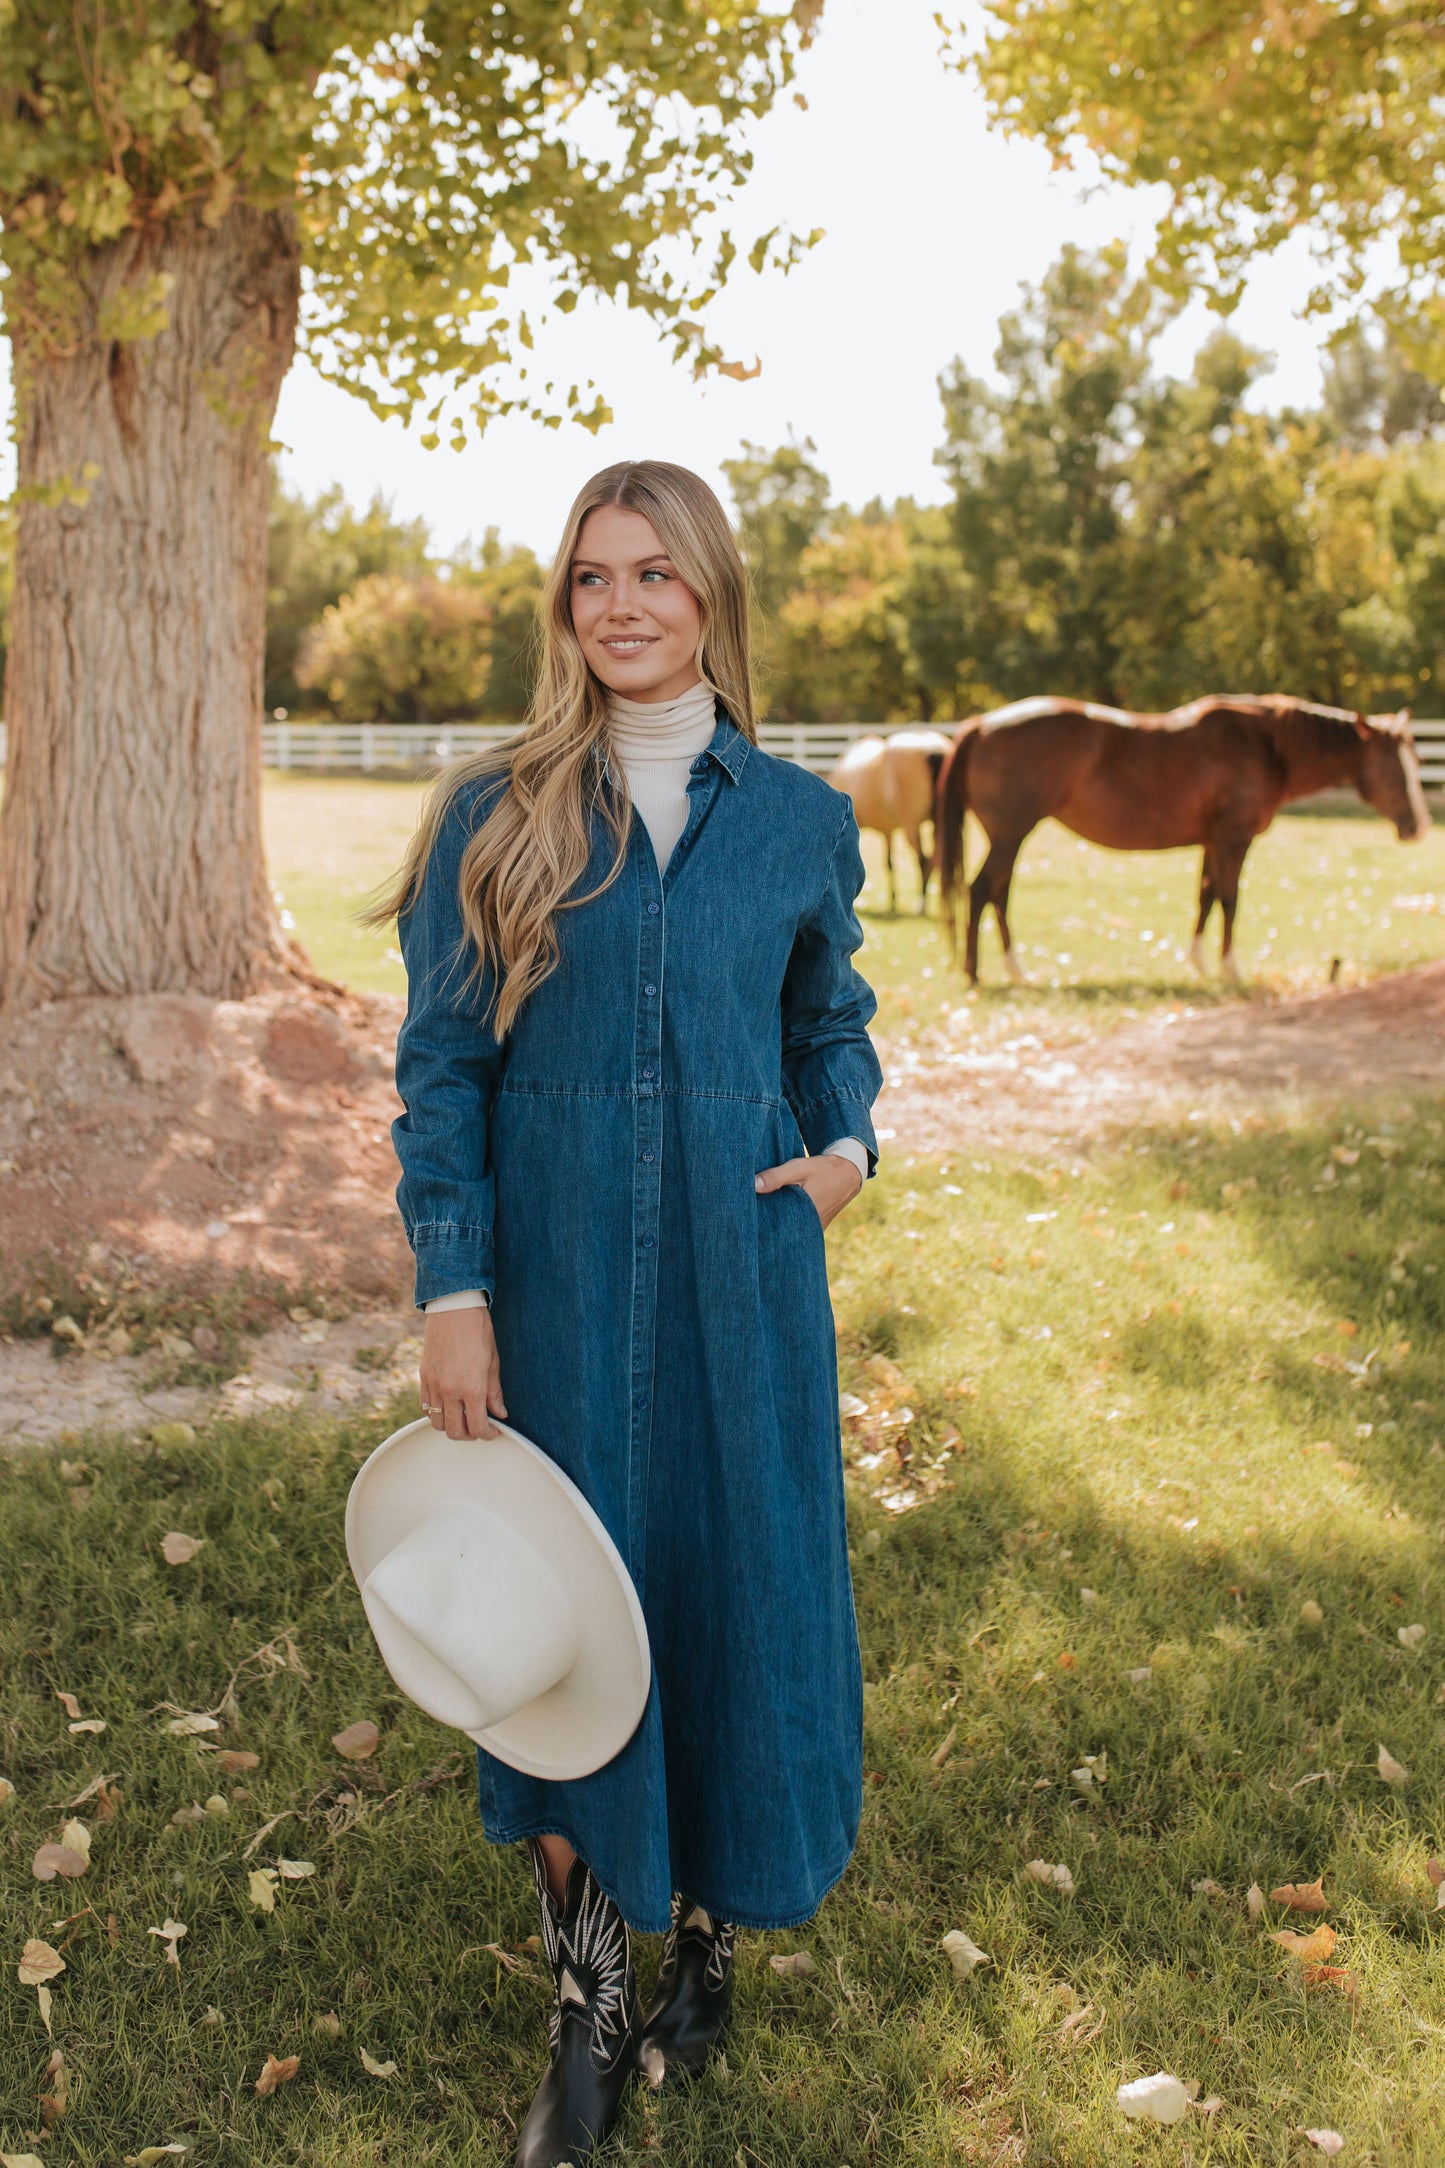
point(638, 624)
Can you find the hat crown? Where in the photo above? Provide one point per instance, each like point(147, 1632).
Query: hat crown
point(472, 1621)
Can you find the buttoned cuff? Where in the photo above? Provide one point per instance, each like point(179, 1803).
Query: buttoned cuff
point(452, 1259)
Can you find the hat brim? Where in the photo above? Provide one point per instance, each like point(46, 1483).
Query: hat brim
point(587, 1718)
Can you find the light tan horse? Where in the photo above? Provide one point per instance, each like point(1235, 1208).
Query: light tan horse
point(892, 782)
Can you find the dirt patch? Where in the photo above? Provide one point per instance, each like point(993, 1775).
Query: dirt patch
point(193, 1139)
point(1253, 1055)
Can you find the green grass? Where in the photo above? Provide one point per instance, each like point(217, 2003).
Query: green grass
point(1152, 1401)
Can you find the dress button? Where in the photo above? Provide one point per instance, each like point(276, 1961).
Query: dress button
point(649, 988)
point(648, 1157)
point(652, 910)
point(647, 1072)
point(644, 1402)
point(647, 1242)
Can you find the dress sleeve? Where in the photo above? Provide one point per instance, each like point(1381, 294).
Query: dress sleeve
point(447, 1067)
point(831, 1075)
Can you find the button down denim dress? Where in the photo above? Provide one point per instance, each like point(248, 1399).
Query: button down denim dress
point(664, 1332)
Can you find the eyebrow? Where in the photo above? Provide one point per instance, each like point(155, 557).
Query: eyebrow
point(595, 564)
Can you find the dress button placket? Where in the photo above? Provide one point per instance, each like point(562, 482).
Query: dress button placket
point(647, 1191)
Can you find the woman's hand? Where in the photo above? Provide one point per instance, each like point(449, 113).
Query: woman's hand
point(461, 1382)
point(829, 1179)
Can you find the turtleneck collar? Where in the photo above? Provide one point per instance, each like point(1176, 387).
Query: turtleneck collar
point(662, 729)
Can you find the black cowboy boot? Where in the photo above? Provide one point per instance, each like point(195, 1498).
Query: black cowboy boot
point(694, 1999)
point(594, 2022)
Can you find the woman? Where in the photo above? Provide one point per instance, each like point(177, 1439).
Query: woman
point(637, 1080)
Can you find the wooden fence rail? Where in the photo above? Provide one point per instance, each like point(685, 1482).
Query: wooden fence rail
point(413, 748)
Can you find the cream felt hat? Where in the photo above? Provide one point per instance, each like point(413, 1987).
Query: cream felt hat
point(498, 1600)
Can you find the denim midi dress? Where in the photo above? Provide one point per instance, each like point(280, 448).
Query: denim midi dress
point(665, 1332)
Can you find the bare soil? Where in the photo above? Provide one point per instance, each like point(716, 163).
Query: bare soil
point(184, 1142)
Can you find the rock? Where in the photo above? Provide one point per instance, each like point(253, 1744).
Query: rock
point(162, 1036)
point(307, 1046)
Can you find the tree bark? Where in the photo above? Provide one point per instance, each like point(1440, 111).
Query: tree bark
point(131, 857)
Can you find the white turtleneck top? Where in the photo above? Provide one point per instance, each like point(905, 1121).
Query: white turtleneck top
point(656, 743)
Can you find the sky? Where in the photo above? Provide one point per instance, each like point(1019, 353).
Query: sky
point(932, 221)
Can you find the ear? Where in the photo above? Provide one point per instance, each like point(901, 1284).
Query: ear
point(1362, 728)
point(1405, 717)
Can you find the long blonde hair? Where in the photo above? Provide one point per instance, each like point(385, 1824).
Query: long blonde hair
point(522, 863)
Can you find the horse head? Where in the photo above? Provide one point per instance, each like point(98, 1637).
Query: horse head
point(1390, 773)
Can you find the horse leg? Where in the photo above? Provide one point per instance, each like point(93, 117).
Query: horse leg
point(892, 876)
point(925, 867)
point(998, 896)
point(1230, 861)
point(1208, 897)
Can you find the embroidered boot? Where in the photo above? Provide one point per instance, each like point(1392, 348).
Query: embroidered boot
point(593, 2028)
point(693, 2003)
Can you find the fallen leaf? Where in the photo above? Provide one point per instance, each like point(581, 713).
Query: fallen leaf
point(276, 2070)
point(1311, 1613)
point(1435, 1871)
point(1332, 1976)
point(192, 1724)
point(294, 1870)
point(54, 2103)
point(7, 1791)
point(1347, 1329)
point(54, 1859)
point(211, 2019)
point(151, 2156)
point(21, 2160)
point(796, 1963)
point(1211, 2106)
point(327, 2026)
point(374, 2069)
point(216, 1807)
point(1329, 2141)
point(88, 1723)
point(1301, 1896)
point(1254, 1901)
point(1076, 2030)
point(1313, 1948)
point(38, 1962)
point(1053, 1877)
point(964, 1955)
point(76, 1838)
point(68, 1702)
point(1409, 1637)
point(178, 1549)
point(261, 1888)
point(170, 1933)
point(235, 1763)
point(1161, 2098)
point(1208, 1887)
point(1391, 1771)
point(358, 1742)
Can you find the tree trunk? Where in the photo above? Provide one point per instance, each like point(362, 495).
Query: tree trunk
point(130, 839)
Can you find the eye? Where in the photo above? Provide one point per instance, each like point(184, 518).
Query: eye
point(583, 578)
point(655, 572)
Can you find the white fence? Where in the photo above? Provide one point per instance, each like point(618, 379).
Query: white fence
point(376, 748)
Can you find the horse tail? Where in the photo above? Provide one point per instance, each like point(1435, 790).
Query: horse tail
point(950, 806)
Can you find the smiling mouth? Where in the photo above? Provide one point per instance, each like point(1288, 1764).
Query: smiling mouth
point(632, 645)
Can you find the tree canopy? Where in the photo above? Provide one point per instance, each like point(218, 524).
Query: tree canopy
point(426, 155)
point(1260, 118)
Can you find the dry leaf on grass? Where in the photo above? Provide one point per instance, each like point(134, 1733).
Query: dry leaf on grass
point(43, 2000)
point(7, 1791)
point(1161, 2098)
point(276, 2070)
point(21, 2160)
point(54, 2103)
point(374, 2069)
point(1301, 1896)
point(1208, 1887)
point(88, 1723)
point(294, 1870)
point(327, 2026)
point(1313, 1948)
point(1254, 1901)
point(178, 1549)
point(358, 1742)
point(1053, 1877)
point(261, 1888)
point(38, 1963)
point(963, 1955)
point(1391, 1771)
point(151, 2156)
point(67, 1702)
point(1077, 2030)
point(170, 1934)
point(191, 1723)
point(1409, 1637)
point(54, 1859)
point(1332, 1976)
point(1310, 1613)
point(1329, 2141)
point(234, 1763)
point(796, 1963)
point(1211, 2106)
point(76, 1838)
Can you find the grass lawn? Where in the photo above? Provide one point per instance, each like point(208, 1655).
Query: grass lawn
point(1143, 1437)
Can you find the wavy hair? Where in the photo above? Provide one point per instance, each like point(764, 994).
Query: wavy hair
point(525, 858)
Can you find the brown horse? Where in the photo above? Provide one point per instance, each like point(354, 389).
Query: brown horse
point(892, 782)
point(1215, 773)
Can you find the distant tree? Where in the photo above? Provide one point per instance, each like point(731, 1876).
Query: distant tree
point(318, 551)
point(1038, 469)
point(1373, 395)
point(782, 506)
point(401, 650)
point(183, 184)
point(510, 582)
point(841, 654)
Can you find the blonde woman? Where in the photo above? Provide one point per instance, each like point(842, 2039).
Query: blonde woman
point(637, 1079)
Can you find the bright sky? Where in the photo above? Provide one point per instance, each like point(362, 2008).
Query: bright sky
point(931, 223)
